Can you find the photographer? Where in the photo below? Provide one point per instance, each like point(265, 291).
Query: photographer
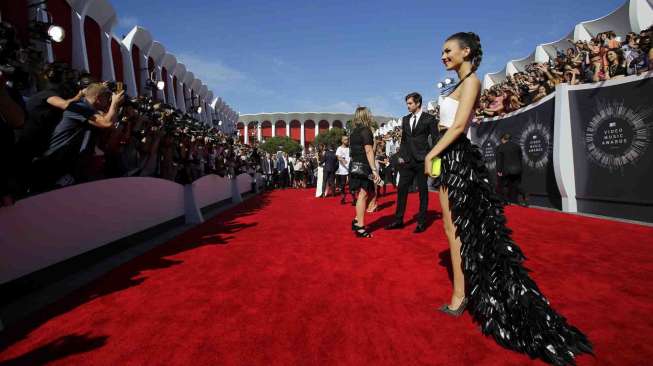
point(154, 123)
point(119, 146)
point(12, 116)
point(170, 157)
point(44, 111)
point(73, 141)
point(149, 148)
point(46, 107)
point(197, 158)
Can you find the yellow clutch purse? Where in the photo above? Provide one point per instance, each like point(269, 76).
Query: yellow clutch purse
point(436, 167)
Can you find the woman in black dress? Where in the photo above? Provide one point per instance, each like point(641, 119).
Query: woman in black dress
point(361, 150)
point(502, 297)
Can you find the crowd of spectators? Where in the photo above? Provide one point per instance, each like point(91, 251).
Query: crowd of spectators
point(283, 170)
point(60, 127)
point(604, 57)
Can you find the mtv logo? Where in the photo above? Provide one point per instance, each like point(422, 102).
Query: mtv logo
point(612, 124)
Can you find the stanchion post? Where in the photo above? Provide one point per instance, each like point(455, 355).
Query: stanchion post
point(235, 193)
point(255, 183)
point(192, 212)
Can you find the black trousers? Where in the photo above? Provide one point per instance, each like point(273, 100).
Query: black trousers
point(413, 171)
point(510, 187)
point(283, 178)
point(269, 180)
point(329, 180)
point(342, 181)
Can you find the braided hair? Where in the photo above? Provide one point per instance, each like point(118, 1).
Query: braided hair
point(472, 41)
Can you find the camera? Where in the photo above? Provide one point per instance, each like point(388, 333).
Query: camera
point(14, 58)
point(115, 86)
point(84, 81)
point(62, 76)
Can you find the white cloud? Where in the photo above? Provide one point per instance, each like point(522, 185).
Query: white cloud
point(492, 64)
point(341, 107)
point(379, 105)
point(337, 107)
point(278, 61)
point(211, 72)
point(222, 79)
point(382, 106)
point(127, 22)
point(276, 65)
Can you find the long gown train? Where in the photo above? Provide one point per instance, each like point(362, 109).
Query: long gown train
point(503, 298)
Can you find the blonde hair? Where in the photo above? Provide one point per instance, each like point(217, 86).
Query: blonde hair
point(362, 116)
point(96, 89)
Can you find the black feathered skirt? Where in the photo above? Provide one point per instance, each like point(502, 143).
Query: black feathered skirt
point(503, 298)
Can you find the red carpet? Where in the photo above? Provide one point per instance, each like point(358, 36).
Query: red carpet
point(281, 280)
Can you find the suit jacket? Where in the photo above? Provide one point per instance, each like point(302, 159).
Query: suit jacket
point(509, 158)
point(330, 161)
point(266, 165)
point(417, 143)
point(281, 163)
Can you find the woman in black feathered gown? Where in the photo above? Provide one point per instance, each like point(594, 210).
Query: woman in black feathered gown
point(489, 277)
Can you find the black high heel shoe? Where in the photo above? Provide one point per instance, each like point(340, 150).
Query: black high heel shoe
point(362, 232)
point(457, 312)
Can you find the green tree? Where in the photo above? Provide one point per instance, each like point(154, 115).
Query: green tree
point(375, 125)
point(330, 137)
point(287, 144)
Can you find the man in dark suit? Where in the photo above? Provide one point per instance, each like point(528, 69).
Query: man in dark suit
point(419, 134)
point(330, 167)
point(267, 167)
point(281, 166)
point(509, 169)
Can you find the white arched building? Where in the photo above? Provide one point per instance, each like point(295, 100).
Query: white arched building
point(632, 16)
point(178, 80)
point(303, 127)
point(90, 45)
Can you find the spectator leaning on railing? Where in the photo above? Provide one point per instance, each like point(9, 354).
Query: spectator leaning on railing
point(44, 111)
point(602, 58)
point(73, 140)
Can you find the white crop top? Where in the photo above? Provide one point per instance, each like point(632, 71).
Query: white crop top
point(448, 108)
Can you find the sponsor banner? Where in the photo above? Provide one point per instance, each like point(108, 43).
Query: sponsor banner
point(533, 131)
point(612, 130)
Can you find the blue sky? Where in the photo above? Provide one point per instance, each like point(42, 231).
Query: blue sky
point(330, 56)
